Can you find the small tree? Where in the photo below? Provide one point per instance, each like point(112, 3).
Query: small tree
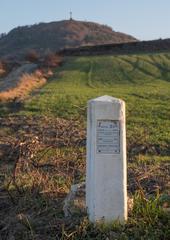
point(3, 67)
point(32, 56)
point(53, 60)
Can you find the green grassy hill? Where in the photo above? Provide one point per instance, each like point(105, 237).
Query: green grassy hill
point(142, 81)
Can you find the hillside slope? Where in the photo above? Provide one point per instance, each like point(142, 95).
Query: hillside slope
point(143, 81)
point(55, 36)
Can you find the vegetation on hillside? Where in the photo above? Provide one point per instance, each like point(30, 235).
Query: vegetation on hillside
point(55, 36)
point(24, 78)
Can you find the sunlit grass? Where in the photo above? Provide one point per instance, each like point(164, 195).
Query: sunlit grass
point(142, 81)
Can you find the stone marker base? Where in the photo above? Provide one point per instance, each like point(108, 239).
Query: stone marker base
point(74, 203)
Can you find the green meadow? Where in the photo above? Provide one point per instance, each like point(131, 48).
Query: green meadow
point(142, 81)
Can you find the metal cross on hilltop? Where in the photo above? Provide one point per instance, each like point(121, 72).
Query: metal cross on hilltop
point(71, 15)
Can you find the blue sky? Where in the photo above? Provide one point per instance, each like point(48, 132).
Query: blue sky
point(144, 19)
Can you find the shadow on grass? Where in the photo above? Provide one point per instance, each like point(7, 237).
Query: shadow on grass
point(30, 214)
point(15, 107)
point(10, 107)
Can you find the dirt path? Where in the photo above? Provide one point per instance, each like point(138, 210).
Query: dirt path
point(14, 76)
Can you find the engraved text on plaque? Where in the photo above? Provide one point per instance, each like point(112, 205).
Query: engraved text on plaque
point(108, 137)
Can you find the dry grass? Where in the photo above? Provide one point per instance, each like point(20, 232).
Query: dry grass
point(47, 156)
point(41, 158)
point(26, 84)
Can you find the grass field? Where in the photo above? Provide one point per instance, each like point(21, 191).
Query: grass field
point(142, 81)
point(49, 131)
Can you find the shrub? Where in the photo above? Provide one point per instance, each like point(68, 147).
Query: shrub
point(2, 68)
point(32, 56)
point(52, 60)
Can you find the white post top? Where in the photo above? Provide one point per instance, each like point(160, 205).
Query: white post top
point(107, 107)
point(107, 98)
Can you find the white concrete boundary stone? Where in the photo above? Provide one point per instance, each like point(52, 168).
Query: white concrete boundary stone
point(106, 171)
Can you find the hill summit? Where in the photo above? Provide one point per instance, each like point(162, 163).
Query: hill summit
point(55, 36)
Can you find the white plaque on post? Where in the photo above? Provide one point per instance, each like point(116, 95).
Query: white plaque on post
point(106, 173)
point(108, 137)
